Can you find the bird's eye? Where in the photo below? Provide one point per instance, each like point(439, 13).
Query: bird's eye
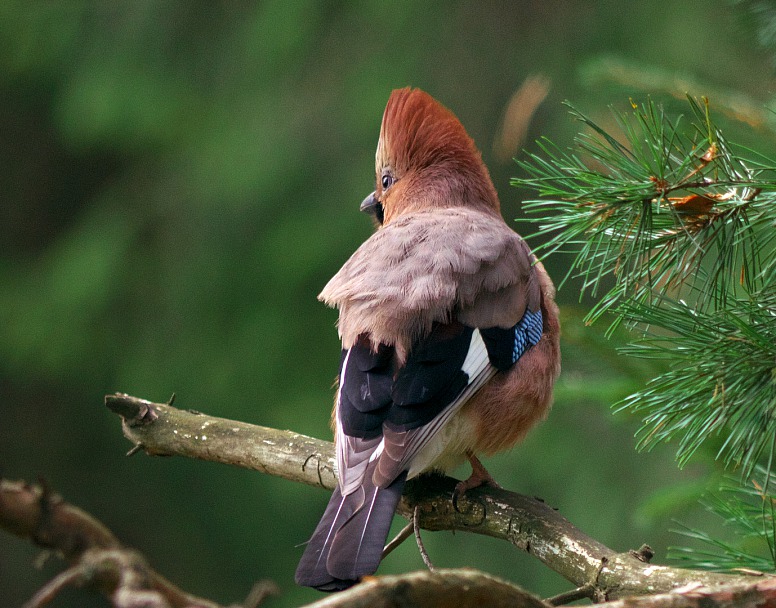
point(387, 181)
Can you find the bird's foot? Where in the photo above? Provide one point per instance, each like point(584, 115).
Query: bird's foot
point(479, 477)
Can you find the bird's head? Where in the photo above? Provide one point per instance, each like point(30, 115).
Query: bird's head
point(425, 159)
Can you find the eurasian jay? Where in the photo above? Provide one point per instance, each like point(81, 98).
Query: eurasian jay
point(450, 335)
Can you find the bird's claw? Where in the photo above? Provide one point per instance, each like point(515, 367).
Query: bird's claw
point(479, 477)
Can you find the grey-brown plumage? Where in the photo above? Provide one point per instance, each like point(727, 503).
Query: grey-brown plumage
point(429, 266)
point(449, 334)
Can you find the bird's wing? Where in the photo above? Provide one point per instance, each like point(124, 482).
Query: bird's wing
point(388, 416)
point(410, 430)
point(389, 419)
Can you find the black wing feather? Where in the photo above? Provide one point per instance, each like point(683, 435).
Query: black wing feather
point(365, 389)
point(431, 378)
point(374, 396)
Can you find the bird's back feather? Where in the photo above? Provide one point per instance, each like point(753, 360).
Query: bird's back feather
point(426, 267)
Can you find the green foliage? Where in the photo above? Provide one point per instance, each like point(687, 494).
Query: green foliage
point(675, 212)
point(675, 206)
point(750, 513)
point(721, 378)
point(682, 220)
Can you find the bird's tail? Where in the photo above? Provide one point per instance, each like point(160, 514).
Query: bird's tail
point(348, 542)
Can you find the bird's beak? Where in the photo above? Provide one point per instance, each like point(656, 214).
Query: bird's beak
point(373, 207)
point(369, 203)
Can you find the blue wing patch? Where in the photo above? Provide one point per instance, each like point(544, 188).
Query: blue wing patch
point(506, 346)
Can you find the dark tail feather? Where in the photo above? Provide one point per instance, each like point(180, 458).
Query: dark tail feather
point(348, 542)
point(311, 571)
point(358, 544)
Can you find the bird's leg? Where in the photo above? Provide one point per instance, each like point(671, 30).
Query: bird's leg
point(479, 477)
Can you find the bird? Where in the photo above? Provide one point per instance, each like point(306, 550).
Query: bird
point(449, 330)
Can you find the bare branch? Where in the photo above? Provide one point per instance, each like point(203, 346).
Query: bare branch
point(760, 594)
point(72, 577)
point(464, 587)
point(96, 557)
point(403, 535)
point(419, 540)
point(122, 574)
point(580, 593)
point(431, 589)
point(195, 435)
point(527, 523)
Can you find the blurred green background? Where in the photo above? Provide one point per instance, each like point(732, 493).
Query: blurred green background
point(180, 179)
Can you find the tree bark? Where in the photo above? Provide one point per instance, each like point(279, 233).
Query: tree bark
point(529, 524)
point(96, 557)
point(462, 588)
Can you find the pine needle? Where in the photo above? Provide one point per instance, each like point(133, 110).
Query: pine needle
point(672, 231)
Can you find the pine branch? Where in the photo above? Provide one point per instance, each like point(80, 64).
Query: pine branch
point(720, 380)
point(527, 523)
point(683, 221)
point(674, 207)
point(750, 512)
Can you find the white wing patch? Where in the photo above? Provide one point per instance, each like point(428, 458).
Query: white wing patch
point(477, 357)
point(421, 446)
point(477, 366)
